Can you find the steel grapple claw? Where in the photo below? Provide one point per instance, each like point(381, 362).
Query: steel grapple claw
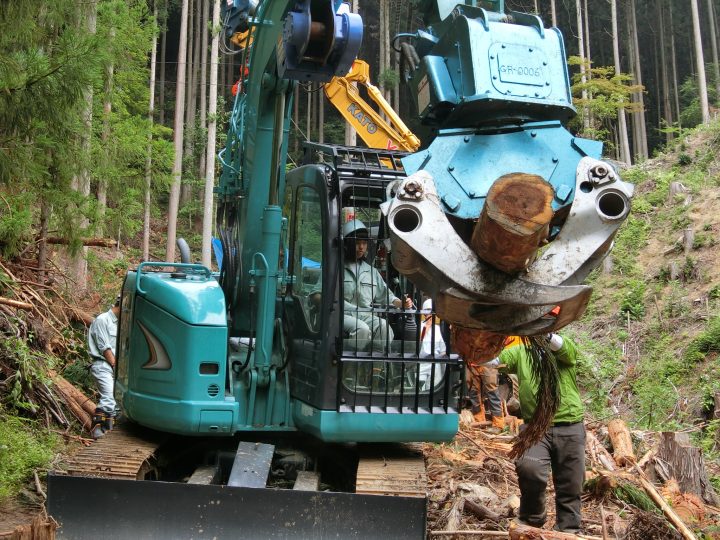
point(471, 293)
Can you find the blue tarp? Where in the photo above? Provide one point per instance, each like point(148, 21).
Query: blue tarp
point(217, 249)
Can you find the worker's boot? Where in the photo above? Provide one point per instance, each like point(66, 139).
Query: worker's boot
point(498, 422)
point(98, 422)
point(109, 423)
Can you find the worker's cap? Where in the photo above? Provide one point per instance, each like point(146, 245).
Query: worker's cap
point(355, 229)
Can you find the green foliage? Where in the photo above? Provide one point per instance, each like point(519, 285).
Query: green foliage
point(607, 93)
point(631, 237)
point(659, 372)
point(598, 366)
point(389, 78)
point(707, 342)
point(23, 448)
point(633, 303)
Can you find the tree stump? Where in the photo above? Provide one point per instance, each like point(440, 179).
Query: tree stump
point(607, 264)
point(685, 464)
point(623, 452)
point(674, 271)
point(688, 240)
point(676, 188)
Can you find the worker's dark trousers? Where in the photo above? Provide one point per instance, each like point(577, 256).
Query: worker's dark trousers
point(563, 450)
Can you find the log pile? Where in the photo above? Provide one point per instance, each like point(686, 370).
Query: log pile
point(34, 324)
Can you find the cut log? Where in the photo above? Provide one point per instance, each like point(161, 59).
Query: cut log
point(685, 464)
point(16, 303)
point(94, 242)
point(482, 512)
point(621, 442)
point(598, 452)
point(72, 392)
point(517, 213)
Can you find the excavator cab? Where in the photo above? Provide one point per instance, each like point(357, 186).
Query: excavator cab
point(378, 374)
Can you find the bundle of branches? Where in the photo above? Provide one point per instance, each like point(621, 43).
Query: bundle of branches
point(32, 330)
point(646, 525)
point(605, 486)
point(545, 372)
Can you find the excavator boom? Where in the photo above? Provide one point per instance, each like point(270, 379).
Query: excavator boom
point(376, 132)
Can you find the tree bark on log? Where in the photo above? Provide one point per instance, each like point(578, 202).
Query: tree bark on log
point(480, 511)
point(598, 452)
point(95, 242)
point(621, 442)
point(16, 303)
point(69, 390)
point(685, 464)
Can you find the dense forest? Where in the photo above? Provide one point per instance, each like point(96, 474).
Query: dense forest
point(95, 144)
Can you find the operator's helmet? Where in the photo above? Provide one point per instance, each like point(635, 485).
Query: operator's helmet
point(352, 230)
point(355, 229)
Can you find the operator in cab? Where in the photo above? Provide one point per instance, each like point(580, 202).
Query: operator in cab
point(363, 289)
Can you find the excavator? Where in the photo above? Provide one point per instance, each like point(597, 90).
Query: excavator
point(271, 399)
point(375, 131)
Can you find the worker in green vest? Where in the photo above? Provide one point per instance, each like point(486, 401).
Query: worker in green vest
point(562, 449)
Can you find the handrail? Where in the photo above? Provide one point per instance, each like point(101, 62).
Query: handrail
point(189, 266)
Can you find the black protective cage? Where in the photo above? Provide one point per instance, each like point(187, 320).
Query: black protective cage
point(407, 364)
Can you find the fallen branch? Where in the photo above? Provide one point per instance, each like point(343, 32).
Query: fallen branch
point(598, 451)
point(669, 513)
point(38, 486)
point(95, 242)
point(16, 303)
point(495, 534)
point(520, 531)
point(480, 511)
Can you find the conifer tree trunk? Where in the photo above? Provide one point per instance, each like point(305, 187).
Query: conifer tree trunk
point(148, 158)
point(676, 93)
point(320, 114)
point(81, 181)
point(581, 54)
point(163, 52)
point(640, 143)
point(553, 12)
point(700, 60)
point(208, 215)
point(713, 36)
point(308, 111)
point(624, 144)
point(296, 118)
point(350, 133)
point(387, 48)
point(667, 110)
point(105, 140)
point(205, 20)
point(382, 46)
point(178, 127)
point(190, 108)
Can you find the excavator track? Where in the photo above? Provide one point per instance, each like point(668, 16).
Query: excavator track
point(120, 454)
point(399, 472)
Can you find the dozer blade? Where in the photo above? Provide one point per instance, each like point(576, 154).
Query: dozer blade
point(124, 509)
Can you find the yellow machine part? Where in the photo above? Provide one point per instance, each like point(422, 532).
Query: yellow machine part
point(392, 134)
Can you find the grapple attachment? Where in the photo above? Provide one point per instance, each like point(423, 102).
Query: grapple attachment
point(470, 292)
